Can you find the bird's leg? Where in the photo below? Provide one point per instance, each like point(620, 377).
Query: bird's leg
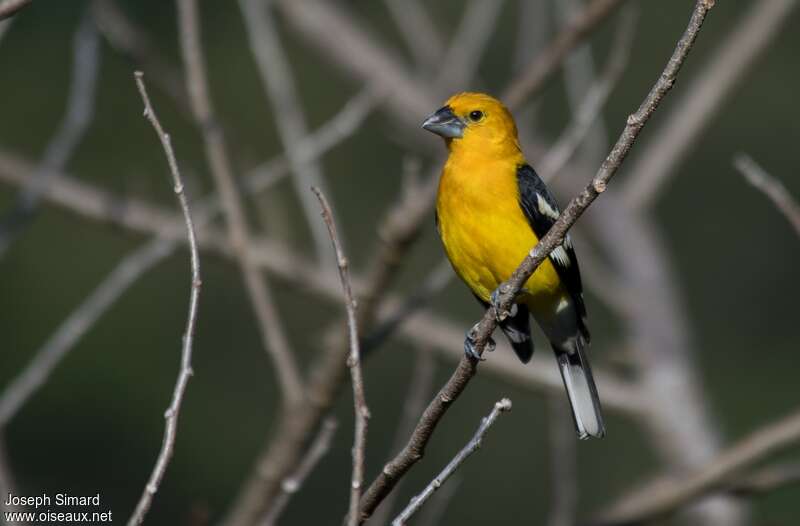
point(470, 342)
point(501, 314)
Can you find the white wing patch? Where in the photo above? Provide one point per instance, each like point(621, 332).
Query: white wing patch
point(560, 256)
point(545, 208)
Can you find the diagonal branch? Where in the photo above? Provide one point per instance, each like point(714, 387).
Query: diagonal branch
point(771, 187)
point(472, 446)
point(271, 329)
point(9, 8)
point(467, 367)
point(171, 415)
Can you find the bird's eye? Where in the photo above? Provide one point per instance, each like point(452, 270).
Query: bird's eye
point(475, 115)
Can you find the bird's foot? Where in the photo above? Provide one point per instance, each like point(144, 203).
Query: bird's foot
point(501, 314)
point(470, 344)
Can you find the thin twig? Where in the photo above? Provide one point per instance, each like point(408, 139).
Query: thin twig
point(668, 495)
point(545, 63)
point(269, 323)
point(472, 446)
point(353, 362)
point(467, 367)
point(771, 187)
point(764, 480)
point(290, 486)
point(185, 373)
point(276, 76)
point(71, 130)
point(9, 8)
point(703, 98)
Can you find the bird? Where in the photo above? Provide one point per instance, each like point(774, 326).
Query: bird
point(491, 210)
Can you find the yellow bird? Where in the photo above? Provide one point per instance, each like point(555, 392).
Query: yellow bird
point(491, 209)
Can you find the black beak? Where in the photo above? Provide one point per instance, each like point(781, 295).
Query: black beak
point(445, 123)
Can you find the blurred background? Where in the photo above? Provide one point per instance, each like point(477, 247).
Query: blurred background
point(691, 272)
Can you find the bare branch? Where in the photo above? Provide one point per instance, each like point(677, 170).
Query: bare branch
point(595, 99)
point(668, 495)
point(703, 98)
point(546, 63)
point(771, 187)
point(9, 8)
point(472, 446)
point(71, 130)
point(271, 329)
point(171, 415)
point(765, 480)
point(291, 485)
point(276, 76)
point(353, 362)
point(467, 367)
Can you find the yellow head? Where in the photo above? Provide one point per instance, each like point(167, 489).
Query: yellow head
point(477, 123)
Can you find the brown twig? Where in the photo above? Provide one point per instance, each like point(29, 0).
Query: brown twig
point(353, 362)
point(771, 187)
point(290, 486)
point(185, 373)
point(668, 495)
point(703, 99)
point(271, 329)
point(546, 63)
point(9, 8)
point(418, 501)
point(467, 367)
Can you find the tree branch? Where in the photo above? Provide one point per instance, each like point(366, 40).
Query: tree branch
point(467, 367)
point(9, 8)
point(171, 415)
point(668, 495)
point(271, 329)
point(472, 446)
point(353, 362)
point(771, 187)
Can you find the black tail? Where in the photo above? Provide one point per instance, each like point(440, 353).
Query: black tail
point(581, 390)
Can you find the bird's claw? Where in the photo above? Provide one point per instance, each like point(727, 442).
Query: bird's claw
point(470, 344)
point(500, 313)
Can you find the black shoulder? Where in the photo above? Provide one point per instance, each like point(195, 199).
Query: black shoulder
point(541, 210)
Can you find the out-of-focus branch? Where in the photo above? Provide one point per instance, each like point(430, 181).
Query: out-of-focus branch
point(133, 42)
point(269, 323)
point(276, 76)
point(419, 390)
point(419, 32)
point(423, 327)
point(771, 187)
point(291, 485)
point(467, 367)
point(173, 411)
point(353, 362)
point(71, 130)
point(563, 453)
point(547, 62)
point(9, 8)
point(461, 61)
point(472, 446)
point(703, 98)
point(595, 99)
point(668, 495)
point(764, 480)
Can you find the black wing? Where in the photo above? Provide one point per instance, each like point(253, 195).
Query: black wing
point(541, 211)
point(517, 329)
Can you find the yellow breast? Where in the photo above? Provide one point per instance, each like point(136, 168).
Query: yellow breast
point(484, 231)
